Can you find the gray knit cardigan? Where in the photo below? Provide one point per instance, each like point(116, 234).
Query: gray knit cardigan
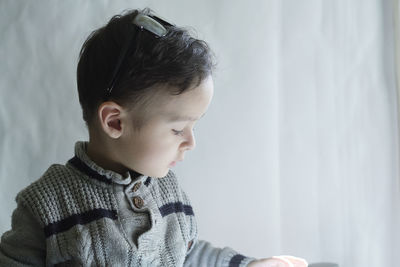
point(80, 214)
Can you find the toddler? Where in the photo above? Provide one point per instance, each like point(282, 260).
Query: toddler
point(143, 83)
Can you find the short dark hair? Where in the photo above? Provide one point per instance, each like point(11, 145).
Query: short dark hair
point(178, 60)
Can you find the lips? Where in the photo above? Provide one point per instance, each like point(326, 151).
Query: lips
point(178, 160)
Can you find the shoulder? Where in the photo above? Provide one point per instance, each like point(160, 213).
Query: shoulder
point(38, 192)
point(171, 197)
point(173, 179)
point(169, 188)
point(54, 176)
point(61, 192)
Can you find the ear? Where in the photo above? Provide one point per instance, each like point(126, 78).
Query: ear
point(110, 115)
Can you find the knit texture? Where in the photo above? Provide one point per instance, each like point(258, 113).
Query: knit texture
point(80, 214)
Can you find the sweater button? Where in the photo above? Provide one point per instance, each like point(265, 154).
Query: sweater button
point(136, 186)
point(138, 202)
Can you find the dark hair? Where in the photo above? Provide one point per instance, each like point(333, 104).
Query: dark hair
point(177, 60)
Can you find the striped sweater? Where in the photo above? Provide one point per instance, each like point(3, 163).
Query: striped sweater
point(80, 214)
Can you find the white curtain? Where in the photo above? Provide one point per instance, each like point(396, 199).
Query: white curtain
point(338, 129)
point(298, 153)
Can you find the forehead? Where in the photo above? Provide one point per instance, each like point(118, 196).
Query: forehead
point(188, 106)
point(173, 117)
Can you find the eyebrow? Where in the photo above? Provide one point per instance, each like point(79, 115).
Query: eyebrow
point(174, 118)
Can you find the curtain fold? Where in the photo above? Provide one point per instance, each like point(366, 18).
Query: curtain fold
point(338, 156)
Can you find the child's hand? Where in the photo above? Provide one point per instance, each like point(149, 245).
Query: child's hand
point(279, 261)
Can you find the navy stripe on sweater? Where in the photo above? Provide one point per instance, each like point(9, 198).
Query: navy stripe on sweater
point(175, 207)
point(80, 165)
point(236, 260)
point(83, 218)
point(147, 182)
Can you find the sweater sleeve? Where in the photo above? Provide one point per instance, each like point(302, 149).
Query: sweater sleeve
point(25, 243)
point(204, 254)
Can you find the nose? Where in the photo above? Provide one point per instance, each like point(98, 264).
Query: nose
point(190, 143)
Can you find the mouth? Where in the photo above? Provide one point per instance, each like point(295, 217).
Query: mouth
point(172, 164)
point(175, 162)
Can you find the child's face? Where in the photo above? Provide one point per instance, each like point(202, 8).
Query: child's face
point(160, 141)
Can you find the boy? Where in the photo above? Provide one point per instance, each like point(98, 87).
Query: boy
point(143, 83)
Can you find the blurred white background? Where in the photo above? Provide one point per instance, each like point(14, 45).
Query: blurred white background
point(298, 152)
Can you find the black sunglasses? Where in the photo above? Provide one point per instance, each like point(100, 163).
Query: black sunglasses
point(150, 23)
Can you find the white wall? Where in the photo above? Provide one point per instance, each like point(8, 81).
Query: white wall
point(298, 152)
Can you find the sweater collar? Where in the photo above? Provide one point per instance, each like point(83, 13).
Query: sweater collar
point(82, 162)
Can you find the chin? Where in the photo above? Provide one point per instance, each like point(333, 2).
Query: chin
point(160, 175)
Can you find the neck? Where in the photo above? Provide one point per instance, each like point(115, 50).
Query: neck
point(100, 155)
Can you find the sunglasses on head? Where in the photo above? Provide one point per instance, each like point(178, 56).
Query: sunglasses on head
point(150, 23)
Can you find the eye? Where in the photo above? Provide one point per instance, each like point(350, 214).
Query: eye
point(177, 132)
point(181, 132)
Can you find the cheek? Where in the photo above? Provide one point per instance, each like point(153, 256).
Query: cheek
point(158, 148)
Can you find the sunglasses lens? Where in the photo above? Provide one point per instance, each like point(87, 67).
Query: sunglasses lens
point(150, 24)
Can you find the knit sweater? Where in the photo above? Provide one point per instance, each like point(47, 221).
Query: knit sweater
point(80, 214)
